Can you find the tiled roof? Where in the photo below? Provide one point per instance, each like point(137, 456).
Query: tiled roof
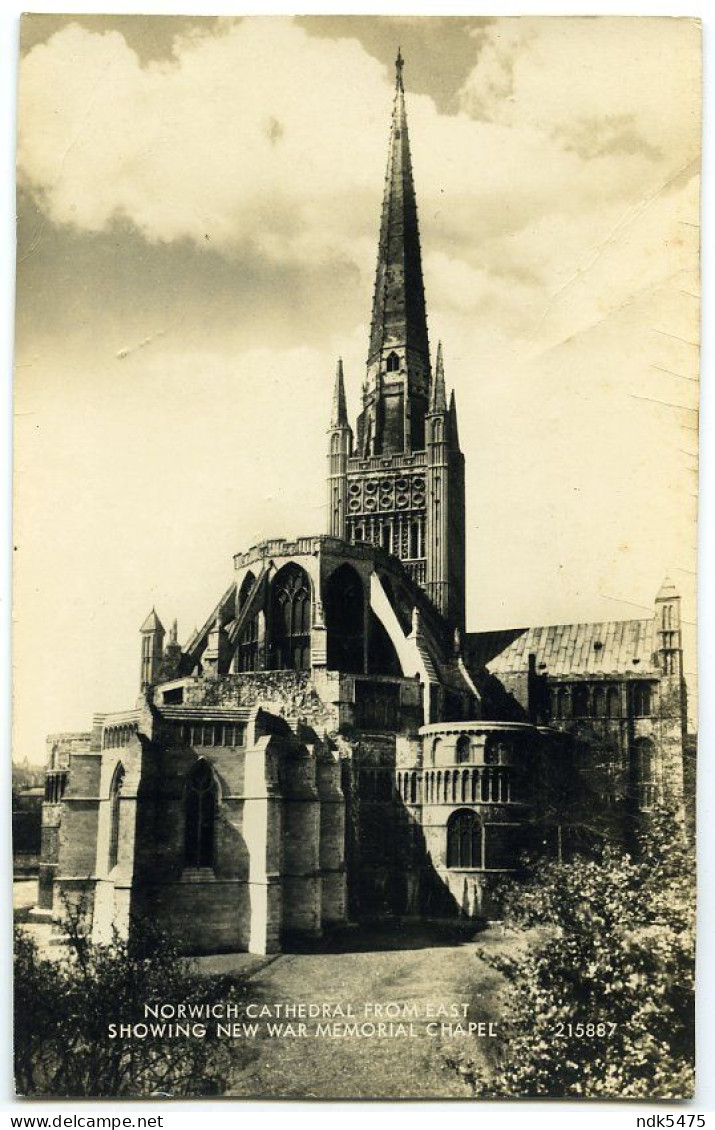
point(616, 646)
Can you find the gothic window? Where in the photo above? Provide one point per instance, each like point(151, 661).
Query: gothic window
point(246, 585)
point(464, 839)
point(344, 603)
point(613, 702)
point(200, 816)
point(644, 766)
point(290, 620)
point(115, 793)
point(393, 363)
point(496, 751)
point(462, 748)
point(641, 700)
point(580, 702)
point(598, 703)
point(562, 703)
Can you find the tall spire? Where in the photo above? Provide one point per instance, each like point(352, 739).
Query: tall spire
point(438, 394)
point(339, 416)
point(398, 317)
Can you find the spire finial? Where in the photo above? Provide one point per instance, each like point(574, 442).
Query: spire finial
point(438, 393)
point(399, 64)
point(340, 409)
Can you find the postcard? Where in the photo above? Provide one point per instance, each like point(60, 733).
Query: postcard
point(355, 487)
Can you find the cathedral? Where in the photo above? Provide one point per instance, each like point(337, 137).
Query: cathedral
point(334, 745)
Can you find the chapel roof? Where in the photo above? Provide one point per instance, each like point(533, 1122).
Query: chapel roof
point(561, 650)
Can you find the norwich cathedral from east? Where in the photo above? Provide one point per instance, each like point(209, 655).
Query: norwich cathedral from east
point(335, 745)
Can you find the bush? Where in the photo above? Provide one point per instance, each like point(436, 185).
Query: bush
point(615, 948)
point(63, 1009)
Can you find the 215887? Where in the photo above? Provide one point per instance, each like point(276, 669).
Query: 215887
point(585, 1030)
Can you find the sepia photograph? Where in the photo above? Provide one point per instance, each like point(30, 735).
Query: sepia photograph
point(355, 489)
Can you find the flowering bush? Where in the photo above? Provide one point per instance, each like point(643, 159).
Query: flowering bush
point(602, 1003)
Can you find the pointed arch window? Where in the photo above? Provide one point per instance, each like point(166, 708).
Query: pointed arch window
point(613, 702)
point(115, 796)
point(200, 816)
point(598, 703)
point(641, 700)
point(644, 767)
point(580, 702)
point(393, 362)
point(344, 604)
point(290, 620)
point(562, 703)
point(464, 839)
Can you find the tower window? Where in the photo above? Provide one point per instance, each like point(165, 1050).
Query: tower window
point(200, 816)
point(464, 839)
point(393, 363)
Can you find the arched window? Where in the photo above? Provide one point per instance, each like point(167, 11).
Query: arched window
point(246, 585)
point(562, 703)
point(464, 839)
point(290, 620)
point(462, 748)
point(115, 795)
point(200, 816)
point(393, 363)
point(496, 750)
point(644, 772)
point(248, 643)
point(641, 700)
point(613, 702)
point(344, 602)
point(580, 701)
point(644, 750)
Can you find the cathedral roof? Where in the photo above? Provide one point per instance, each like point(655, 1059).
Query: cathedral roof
point(398, 313)
point(564, 650)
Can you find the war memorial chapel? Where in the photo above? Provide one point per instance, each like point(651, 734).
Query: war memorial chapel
point(333, 745)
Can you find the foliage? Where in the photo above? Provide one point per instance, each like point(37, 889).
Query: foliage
point(64, 1007)
point(602, 1002)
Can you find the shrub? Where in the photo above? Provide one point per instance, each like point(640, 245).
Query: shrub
point(63, 1009)
point(615, 948)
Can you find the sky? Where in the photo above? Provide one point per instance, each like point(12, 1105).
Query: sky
point(199, 205)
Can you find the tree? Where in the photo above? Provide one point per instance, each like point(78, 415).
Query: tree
point(64, 1007)
point(602, 1004)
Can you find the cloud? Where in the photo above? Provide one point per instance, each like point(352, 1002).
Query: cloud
point(251, 138)
point(214, 142)
point(623, 85)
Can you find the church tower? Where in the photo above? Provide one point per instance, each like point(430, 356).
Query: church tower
point(402, 486)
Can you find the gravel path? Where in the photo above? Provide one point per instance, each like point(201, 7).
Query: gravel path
point(424, 972)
